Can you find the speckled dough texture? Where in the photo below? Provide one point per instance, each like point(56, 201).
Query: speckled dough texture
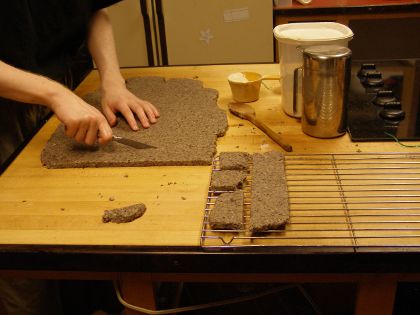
point(227, 213)
point(234, 160)
point(269, 195)
point(186, 133)
point(124, 215)
point(227, 180)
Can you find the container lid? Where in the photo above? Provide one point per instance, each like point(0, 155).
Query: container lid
point(311, 32)
point(325, 52)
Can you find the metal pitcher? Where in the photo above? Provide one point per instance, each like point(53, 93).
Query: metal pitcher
point(325, 83)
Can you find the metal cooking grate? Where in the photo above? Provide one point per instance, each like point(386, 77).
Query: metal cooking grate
point(337, 200)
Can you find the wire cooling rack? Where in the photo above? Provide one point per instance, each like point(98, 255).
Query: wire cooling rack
point(336, 200)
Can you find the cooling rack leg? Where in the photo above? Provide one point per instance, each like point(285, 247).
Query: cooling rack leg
point(376, 296)
point(137, 289)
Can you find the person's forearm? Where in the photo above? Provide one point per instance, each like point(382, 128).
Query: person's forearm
point(82, 121)
point(115, 96)
point(26, 87)
point(102, 48)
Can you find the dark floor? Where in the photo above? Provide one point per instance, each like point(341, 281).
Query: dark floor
point(408, 299)
point(289, 300)
point(84, 297)
point(308, 299)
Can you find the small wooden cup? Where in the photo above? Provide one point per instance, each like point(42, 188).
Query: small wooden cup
point(246, 85)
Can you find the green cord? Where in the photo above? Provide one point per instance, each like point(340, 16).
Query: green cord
point(401, 144)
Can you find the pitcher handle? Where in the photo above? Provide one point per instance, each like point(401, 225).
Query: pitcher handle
point(297, 86)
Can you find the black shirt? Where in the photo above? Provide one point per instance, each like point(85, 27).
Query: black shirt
point(44, 37)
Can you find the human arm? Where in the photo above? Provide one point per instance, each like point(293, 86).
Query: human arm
point(115, 96)
point(83, 122)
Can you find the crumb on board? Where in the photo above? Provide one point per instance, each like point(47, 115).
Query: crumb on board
point(264, 146)
point(111, 198)
point(125, 214)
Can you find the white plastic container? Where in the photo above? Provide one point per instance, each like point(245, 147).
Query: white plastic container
point(292, 38)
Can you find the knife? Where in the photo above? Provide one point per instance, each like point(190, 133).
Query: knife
point(132, 143)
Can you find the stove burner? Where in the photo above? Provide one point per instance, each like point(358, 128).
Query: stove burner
point(365, 68)
point(383, 97)
point(372, 79)
point(392, 111)
point(384, 100)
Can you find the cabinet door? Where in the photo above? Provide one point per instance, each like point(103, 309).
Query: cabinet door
point(218, 31)
point(129, 33)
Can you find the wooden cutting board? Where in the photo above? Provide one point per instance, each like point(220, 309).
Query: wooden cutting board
point(41, 206)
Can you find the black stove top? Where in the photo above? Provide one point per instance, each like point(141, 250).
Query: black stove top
point(384, 100)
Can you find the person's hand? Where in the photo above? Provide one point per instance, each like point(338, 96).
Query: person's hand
point(82, 121)
point(116, 98)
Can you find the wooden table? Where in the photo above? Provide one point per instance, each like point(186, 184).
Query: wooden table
point(50, 220)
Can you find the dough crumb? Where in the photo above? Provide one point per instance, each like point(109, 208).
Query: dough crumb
point(125, 214)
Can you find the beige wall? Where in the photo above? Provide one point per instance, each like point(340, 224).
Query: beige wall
point(129, 33)
point(218, 31)
point(197, 32)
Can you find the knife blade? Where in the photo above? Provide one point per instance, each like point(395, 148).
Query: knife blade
point(132, 143)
